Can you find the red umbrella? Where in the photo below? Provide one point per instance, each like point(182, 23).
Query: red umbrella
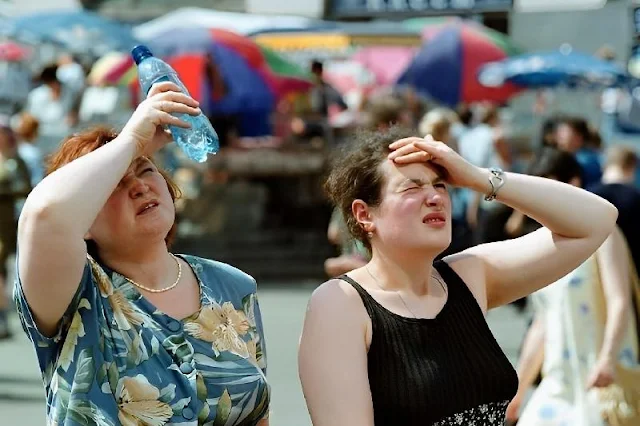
point(13, 52)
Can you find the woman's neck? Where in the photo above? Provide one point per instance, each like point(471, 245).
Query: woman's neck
point(151, 267)
point(408, 271)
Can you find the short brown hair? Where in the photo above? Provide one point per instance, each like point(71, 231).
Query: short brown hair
point(489, 115)
point(621, 156)
point(79, 144)
point(385, 111)
point(28, 127)
point(356, 175)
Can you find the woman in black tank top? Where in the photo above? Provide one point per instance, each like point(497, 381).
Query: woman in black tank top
point(403, 341)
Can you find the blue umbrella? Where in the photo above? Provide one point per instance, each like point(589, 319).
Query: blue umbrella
point(563, 67)
point(447, 65)
point(79, 31)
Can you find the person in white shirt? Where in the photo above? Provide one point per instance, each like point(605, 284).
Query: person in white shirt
point(70, 73)
point(484, 146)
point(54, 105)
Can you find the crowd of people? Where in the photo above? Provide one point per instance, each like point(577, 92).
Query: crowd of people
point(437, 217)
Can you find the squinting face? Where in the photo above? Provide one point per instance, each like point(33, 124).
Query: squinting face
point(415, 212)
point(140, 210)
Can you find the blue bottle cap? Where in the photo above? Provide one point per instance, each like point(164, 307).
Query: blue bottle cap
point(140, 53)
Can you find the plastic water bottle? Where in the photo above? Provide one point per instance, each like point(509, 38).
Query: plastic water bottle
point(199, 140)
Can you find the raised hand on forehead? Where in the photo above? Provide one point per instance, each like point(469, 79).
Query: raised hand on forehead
point(459, 172)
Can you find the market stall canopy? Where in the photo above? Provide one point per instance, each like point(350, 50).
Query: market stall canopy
point(342, 36)
point(242, 23)
point(77, 30)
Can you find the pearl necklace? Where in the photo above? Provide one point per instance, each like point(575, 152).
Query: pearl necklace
point(160, 290)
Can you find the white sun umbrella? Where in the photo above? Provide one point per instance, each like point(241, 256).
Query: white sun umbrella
point(242, 23)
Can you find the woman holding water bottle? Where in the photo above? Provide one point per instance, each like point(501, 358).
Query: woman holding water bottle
point(125, 331)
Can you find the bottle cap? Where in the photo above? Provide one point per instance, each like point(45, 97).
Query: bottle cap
point(140, 53)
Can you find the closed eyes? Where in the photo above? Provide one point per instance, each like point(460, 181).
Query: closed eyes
point(437, 185)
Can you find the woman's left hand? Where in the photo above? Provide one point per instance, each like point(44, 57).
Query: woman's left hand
point(459, 171)
point(603, 374)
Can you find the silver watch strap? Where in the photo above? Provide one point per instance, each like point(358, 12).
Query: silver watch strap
point(496, 179)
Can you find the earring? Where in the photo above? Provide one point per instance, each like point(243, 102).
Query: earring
point(370, 235)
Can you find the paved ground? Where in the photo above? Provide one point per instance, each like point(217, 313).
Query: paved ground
point(22, 399)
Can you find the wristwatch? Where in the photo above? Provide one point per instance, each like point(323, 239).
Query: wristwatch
point(496, 179)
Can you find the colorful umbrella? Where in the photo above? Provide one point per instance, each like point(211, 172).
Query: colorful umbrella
point(430, 26)
point(385, 62)
point(254, 76)
point(105, 65)
point(13, 52)
point(426, 24)
point(564, 67)
point(446, 66)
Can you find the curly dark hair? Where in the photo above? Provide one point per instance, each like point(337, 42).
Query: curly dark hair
point(356, 175)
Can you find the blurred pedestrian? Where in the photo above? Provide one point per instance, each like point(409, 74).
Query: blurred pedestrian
point(583, 336)
point(353, 254)
point(573, 135)
point(322, 96)
point(439, 123)
point(14, 185)
point(618, 187)
point(71, 73)
point(27, 132)
point(403, 340)
point(55, 106)
point(125, 331)
point(485, 146)
point(463, 123)
point(384, 111)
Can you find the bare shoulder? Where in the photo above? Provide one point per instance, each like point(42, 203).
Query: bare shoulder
point(337, 297)
point(336, 305)
point(470, 268)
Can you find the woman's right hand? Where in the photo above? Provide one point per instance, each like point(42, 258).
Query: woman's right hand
point(146, 127)
point(513, 410)
point(459, 172)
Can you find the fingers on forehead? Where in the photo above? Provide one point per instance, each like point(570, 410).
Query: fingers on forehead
point(406, 141)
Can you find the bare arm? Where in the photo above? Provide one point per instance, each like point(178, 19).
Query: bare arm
point(472, 210)
point(514, 225)
point(529, 365)
point(60, 210)
point(532, 355)
point(575, 223)
point(613, 262)
point(333, 358)
point(55, 218)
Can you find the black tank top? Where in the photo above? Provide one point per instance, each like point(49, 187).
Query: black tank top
point(448, 370)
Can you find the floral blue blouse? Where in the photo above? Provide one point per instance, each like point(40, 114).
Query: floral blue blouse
point(117, 359)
